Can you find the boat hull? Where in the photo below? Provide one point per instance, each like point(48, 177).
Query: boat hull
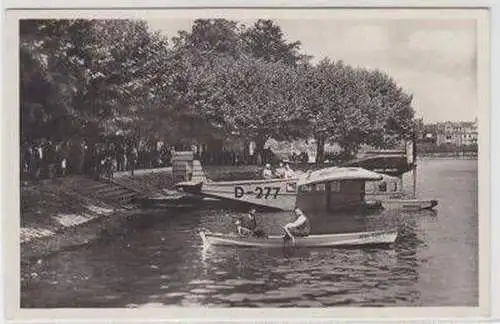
point(326, 240)
point(408, 204)
point(272, 193)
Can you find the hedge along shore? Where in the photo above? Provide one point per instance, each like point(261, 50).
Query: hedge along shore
point(76, 210)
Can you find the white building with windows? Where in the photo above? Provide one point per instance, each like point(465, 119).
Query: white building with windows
point(457, 133)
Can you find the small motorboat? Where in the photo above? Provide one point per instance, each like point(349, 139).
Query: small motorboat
point(384, 237)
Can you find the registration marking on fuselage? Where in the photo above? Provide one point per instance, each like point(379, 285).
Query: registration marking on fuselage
point(259, 192)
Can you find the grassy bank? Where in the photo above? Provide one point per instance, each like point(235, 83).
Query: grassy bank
point(64, 212)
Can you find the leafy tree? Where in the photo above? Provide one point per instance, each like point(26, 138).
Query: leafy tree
point(208, 39)
point(45, 94)
point(266, 40)
point(247, 96)
point(390, 109)
point(351, 107)
point(203, 58)
point(98, 72)
point(97, 77)
point(321, 112)
point(215, 36)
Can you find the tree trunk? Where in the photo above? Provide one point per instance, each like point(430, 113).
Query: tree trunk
point(259, 144)
point(350, 151)
point(320, 149)
point(346, 152)
point(259, 147)
point(246, 147)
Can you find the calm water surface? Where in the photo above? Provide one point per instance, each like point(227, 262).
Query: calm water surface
point(161, 261)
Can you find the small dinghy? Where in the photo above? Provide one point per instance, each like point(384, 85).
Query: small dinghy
point(325, 240)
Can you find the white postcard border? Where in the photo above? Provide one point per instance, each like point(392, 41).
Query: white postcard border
point(10, 193)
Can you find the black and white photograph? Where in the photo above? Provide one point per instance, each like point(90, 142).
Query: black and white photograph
point(218, 160)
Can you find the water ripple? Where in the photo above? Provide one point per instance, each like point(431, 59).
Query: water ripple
point(164, 264)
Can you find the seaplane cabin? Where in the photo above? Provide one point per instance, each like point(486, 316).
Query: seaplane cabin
point(389, 185)
point(334, 189)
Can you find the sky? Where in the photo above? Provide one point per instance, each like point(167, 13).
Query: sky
point(433, 59)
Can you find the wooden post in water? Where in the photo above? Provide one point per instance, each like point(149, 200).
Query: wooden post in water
point(415, 180)
point(414, 158)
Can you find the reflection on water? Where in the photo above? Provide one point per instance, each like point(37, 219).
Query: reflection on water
point(165, 264)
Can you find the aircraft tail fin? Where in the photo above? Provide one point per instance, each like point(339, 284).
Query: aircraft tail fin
point(198, 174)
point(186, 168)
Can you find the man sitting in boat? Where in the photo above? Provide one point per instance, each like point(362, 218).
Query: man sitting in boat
point(299, 227)
point(267, 173)
point(247, 226)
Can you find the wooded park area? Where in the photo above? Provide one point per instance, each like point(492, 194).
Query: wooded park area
point(91, 79)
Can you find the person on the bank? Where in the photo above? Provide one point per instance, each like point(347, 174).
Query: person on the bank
point(267, 173)
point(300, 227)
point(247, 226)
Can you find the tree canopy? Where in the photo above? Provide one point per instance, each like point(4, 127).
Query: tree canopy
point(97, 77)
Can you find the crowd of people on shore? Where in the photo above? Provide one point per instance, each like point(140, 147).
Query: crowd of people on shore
point(47, 159)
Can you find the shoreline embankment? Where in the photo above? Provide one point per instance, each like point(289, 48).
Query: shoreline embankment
point(72, 211)
point(448, 155)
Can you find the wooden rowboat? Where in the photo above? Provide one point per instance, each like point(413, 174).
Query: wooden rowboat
point(324, 240)
point(409, 204)
point(402, 204)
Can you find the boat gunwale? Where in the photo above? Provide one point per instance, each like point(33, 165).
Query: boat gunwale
point(250, 181)
point(319, 181)
point(273, 237)
point(387, 238)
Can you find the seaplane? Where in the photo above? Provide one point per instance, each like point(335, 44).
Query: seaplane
point(330, 189)
point(375, 180)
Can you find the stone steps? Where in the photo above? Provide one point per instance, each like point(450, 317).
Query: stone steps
point(75, 191)
point(139, 188)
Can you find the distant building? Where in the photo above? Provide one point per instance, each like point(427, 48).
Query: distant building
point(450, 133)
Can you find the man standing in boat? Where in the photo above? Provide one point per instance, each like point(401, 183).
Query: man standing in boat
point(299, 227)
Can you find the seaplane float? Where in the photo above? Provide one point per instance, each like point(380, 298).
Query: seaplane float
point(383, 237)
point(326, 189)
